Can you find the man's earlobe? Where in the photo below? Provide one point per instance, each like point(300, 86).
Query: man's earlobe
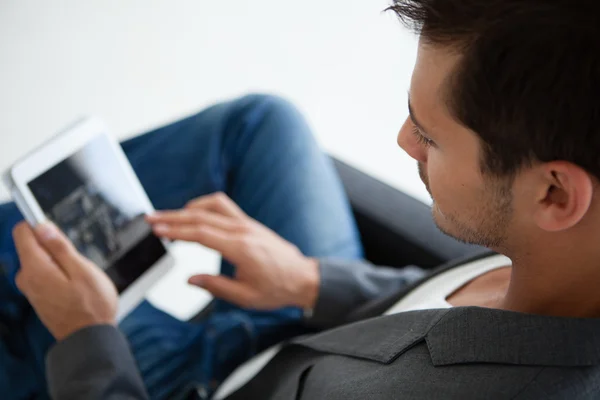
point(567, 199)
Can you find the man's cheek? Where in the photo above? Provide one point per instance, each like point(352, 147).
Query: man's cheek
point(441, 192)
point(435, 183)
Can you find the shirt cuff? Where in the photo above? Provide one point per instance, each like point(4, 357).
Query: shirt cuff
point(336, 298)
point(346, 285)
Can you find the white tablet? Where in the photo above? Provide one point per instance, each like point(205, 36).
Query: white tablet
point(82, 181)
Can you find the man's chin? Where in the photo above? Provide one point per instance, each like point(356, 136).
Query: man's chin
point(438, 218)
point(452, 227)
point(444, 225)
point(437, 214)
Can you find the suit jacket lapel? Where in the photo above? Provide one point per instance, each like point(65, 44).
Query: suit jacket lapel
point(380, 339)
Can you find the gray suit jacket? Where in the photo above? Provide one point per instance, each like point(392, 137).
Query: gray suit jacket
point(458, 353)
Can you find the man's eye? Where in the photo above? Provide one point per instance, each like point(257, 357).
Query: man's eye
point(420, 138)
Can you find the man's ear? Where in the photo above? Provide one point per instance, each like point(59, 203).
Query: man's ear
point(565, 195)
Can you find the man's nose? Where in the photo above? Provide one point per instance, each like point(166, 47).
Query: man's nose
point(408, 142)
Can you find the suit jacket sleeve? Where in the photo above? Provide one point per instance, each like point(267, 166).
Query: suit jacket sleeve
point(347, 285)
point(94, 363)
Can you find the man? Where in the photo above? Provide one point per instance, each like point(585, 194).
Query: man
point(504, 125)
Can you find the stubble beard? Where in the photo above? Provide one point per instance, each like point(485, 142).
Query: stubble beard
point(486, 226)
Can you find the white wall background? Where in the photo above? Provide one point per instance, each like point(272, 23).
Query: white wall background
point(141, 63)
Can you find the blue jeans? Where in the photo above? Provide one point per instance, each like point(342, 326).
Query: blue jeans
point(259, 151)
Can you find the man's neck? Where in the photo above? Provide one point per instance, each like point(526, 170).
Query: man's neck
point(558, 279)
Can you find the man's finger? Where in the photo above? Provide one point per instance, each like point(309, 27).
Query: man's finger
point(28, 248)
point(214, 238)
point(36, 263)
point(218, 202)
point(193, 217)
point(60, 248)
point(226, 289)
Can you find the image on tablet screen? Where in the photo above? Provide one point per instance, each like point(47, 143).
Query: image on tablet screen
point(90, 199)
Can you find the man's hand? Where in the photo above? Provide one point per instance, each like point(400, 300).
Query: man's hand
point(67, 291)
point(270, 272)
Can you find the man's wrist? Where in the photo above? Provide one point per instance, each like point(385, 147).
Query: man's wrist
point(309, 287)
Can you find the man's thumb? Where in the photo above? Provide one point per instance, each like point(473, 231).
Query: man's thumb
point(225, 288)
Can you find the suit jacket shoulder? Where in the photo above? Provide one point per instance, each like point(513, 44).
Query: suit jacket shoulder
point(459, 353)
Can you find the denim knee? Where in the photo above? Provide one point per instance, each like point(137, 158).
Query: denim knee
point(276, 120)
point(269, 102)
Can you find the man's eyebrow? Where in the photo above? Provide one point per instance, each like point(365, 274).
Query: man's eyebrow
point(413, 118)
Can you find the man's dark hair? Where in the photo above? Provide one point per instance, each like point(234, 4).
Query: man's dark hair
point(529, 80)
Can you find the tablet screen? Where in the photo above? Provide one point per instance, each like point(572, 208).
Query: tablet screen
point(90, 198)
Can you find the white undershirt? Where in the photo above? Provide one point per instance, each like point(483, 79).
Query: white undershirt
point(431, 294)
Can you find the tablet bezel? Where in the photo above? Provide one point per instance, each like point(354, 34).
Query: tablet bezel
point(61, 147)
